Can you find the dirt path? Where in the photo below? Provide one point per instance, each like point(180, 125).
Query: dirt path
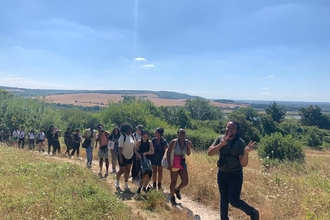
point(194, 209)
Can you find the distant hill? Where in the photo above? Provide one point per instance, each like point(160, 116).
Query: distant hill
point(46, 92)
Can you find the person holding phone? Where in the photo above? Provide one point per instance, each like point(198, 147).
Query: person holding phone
point(233, 156)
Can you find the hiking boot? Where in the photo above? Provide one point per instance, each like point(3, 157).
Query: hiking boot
point(173, 202)
point(255, 215)
point(177, 193)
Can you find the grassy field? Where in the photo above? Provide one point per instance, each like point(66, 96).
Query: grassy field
point(91, 99)
point(34, 187)
point(289, 191)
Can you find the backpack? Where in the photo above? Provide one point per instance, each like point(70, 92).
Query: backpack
point(131, 135)
point(145, 165)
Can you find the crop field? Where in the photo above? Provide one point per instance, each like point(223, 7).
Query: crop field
point(92, 99)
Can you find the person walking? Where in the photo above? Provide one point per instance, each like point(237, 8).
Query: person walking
point(50, 138)
point(126, 145)
point(76, 140)
point(160, 144)
point(114, 136)
point(68, 140)
point(181, 148)
point(90, 138)
point(102, 139)
point(56, 142)
point(135, 167)
point(233, 156)
point(143, 151)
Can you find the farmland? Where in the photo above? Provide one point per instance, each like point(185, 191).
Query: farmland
point(92, 99)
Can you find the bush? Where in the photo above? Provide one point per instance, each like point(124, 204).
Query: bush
point(276, 146)
point(313, 138)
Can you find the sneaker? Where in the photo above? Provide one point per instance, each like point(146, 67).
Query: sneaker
point(126, 186)
point(177, 193)
point(114, 171)
point(138, 191)
point(100, 174)
point(255, 215)
point(173, 202)
point(117, 184)
point(106, 175)
point(154, 186)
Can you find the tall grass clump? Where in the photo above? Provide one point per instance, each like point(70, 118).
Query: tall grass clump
point(36, 188)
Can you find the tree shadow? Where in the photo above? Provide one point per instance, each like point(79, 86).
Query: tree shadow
point(190, 214)
point(126, 194)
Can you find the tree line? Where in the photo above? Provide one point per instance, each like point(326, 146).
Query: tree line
point(278, 137)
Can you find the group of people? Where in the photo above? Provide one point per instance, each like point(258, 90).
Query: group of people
point(140, 156)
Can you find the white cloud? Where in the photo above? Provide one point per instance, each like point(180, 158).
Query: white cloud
point(140, 59)
point(148, 65)
point(270, 76)
point(264, 88)
point(266, 93)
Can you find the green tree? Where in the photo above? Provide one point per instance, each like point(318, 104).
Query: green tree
point(279, 147)
point(276, 112)
point(201, 109)
point(311, 116)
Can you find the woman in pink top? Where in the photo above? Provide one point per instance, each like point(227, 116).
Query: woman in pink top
point(102, 139)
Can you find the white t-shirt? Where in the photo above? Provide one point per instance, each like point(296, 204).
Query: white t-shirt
point(128, 146)
point(21, 134)
point(15, 134)
point(31, 136)
point(41, 136)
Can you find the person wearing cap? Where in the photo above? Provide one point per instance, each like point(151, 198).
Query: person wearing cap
point(135, 167)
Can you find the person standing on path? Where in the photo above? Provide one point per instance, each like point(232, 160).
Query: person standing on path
point(68, 140)
point(144, 148)
point(15, 137)
point(31, 137)
point(126, 145)
point(41, 140)
point(90, 134)
point(181, 148)
point(50, 138)
point(102, 139)
point(114, 136)
point(56, 143)
point(233, 156)
point(21, 138)
point(160, 144)
point(135, 167)
point(76, 140)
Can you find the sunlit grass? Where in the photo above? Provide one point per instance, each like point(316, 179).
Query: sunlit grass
point(34, 187)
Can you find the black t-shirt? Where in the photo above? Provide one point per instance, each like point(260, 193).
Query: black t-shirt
point(76, 138)
point(68, 137)
point(50, 135)
point(144, 147)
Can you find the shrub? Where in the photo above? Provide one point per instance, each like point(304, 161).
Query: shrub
point(276, 146)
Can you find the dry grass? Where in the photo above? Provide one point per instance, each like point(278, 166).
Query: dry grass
point(91, 99)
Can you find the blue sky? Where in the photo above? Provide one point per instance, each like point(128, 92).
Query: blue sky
point(246, 50)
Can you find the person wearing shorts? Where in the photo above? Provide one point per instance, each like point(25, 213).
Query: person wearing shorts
point(102, 140)
point(126, 145)
point(181, 148)
point(41, 140)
